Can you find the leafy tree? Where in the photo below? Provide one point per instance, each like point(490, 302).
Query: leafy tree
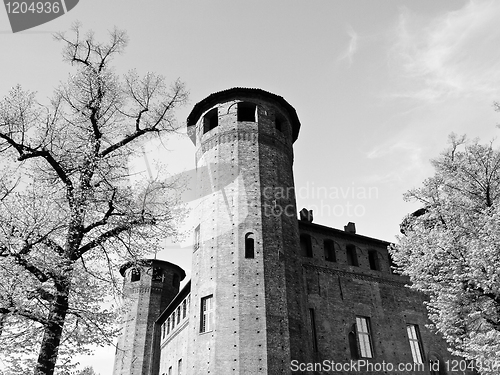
point(69, 212)
point(451, 248)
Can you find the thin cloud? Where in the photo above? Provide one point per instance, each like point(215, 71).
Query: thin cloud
point(454, 55)
point(352, 46)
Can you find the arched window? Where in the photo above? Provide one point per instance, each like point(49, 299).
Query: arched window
point(135, 275)
point(352, 257)
point(249, 245)
point(246, 111)
point(210, 120)
point(306, 245)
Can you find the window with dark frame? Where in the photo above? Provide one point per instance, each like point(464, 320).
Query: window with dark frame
point(329, 248)
point(415, 343)
point(246, 111)
point(364, 337)
point(249, 246)
point(206, 316)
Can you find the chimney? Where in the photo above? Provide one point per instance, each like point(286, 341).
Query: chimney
point(306, 215)
point(350, 227)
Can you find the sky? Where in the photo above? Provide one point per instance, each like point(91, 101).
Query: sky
point(378, 86)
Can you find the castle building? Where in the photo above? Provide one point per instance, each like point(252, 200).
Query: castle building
point(270, 292)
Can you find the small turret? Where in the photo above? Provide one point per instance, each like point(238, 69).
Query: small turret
point(149, 286)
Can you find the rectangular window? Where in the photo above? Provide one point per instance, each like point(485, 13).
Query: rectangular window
point(313, 330)
point(206, 315)
point(415, 343)
point(306, 245)
point(170, 370)
point(168, 325)
point(246, 111)
point(163, 328)
point(179, 367)
point(329, 251)
point(184, 309)
point(352, 257)
point(178, 315)
point(210, 120)
point(364, 338)
point(373, 259)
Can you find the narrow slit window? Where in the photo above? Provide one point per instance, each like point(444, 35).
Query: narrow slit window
point(306, 245)
point(196, 241)
point(314, 337)
point(184, 309)
point(249, 246)
point(352, 257)
point(246, 111)
point(364, 337)
point(210, 120)
point(329, 251)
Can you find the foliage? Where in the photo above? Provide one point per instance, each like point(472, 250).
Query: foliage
point(69, 213)
point(451, 248)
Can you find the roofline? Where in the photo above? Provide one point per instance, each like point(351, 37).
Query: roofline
point(343, 233)
point(225, 95)
point(148, 262)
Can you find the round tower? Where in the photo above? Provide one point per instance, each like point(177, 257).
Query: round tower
point(148, 287)
point(246, 285)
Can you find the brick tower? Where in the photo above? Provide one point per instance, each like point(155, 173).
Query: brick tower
point(246, 292)
point(149, 286)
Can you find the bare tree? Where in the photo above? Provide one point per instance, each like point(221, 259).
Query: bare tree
point(68, 211)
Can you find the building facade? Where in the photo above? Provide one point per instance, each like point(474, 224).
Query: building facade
point(270, 293)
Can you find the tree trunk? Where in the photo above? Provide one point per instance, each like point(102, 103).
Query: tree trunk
point(49, 349)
